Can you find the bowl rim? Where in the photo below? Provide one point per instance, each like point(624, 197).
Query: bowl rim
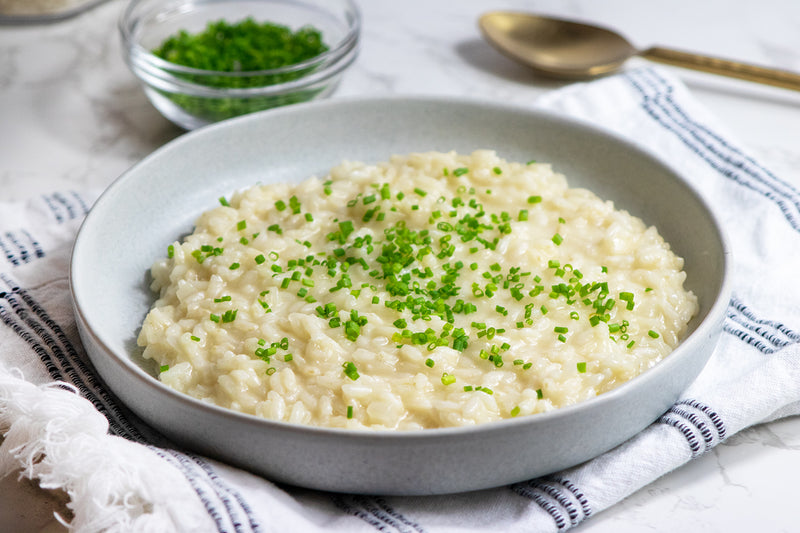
point(703, 329)
point(328, 64)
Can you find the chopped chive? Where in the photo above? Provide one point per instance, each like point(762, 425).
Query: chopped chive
point(461, 343)
point(350, 370)
point(581, 367)
point(294, 203)
point(448, 379)
point(349, 412)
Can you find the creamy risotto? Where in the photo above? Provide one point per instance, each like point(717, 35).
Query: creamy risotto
point(433, 290)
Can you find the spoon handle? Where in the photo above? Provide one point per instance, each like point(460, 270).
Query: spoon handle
point(724, 67)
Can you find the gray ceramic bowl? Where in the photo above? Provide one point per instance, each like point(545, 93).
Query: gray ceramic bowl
point(158, 199)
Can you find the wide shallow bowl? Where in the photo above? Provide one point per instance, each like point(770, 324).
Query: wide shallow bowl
point(192, 97)
point(157, 201)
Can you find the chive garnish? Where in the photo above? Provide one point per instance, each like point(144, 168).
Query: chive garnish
point(350, 370)
point(415, 272)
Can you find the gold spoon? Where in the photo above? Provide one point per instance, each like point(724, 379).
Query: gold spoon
point(563, 49)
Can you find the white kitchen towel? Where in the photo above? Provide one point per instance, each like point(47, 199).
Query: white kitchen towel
point(65, 430)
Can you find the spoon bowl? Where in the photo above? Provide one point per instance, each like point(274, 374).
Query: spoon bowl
point(571, 50)
point(557, 47)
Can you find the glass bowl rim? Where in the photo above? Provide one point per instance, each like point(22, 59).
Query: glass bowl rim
point(138, 56)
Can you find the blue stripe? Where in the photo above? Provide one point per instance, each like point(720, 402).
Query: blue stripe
point(768, 336)
point(9, 254)
point(546, 503)
point(357, 512)
point(395, 514)
point(718, 154)
point(700, 425)
point(54, 209)
point(231, 498)
point(45, 337)
point(20, 247)
point(749, 164)
point(376, 512)
point(82, 204)
point(559, 497)
point(53, 346)
point(38, 251)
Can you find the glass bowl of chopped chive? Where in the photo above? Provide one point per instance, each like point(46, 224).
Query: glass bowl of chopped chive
point(202, 61)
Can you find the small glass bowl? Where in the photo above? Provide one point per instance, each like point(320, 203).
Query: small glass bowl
point(192, 98)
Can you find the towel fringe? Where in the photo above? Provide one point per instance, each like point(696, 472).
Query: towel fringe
point(54, 436)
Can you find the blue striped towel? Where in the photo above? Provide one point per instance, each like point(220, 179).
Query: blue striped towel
point(64, 430)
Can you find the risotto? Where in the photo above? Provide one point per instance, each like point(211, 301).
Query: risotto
point(432, 290)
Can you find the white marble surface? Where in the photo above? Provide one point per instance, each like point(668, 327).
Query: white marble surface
point(72, 116)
